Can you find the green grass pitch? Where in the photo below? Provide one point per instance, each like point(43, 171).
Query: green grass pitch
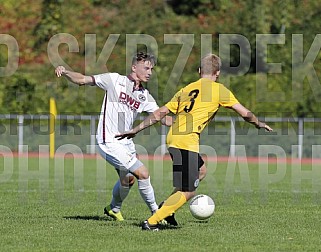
point(57, 205)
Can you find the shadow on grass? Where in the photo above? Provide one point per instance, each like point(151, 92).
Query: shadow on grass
point(165, 227)
point(200, 221)
point(87, 217)
point(161, 227)
point(100, 218)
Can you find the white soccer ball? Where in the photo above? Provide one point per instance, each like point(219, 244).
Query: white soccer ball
point(202, 207)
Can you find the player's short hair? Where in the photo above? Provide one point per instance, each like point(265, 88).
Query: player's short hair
point(210, 64)
point(142, 57)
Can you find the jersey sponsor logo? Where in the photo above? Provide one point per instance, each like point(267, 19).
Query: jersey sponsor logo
point(129, 101)
point(141, 97)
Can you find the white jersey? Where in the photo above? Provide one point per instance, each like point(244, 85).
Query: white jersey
point(121, 105)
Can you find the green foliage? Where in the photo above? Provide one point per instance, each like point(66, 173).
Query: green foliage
point(193, 7)
point(19, 95)
point(2, 60)
point(51, 21)
point(156, 19)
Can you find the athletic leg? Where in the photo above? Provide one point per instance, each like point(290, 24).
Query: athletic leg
point(145, 188)
point(186, 178)
point(113, 153)
point(121, 190)
point(123, 158)
point(202, 175)
point(202, 172)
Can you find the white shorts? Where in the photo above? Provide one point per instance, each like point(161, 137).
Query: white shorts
point(121, 156)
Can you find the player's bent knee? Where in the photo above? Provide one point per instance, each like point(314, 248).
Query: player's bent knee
point(141, 173)
point(128, 181)
point(202, 172)
point(131, 181)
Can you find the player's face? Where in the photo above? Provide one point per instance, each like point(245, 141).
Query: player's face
point(143, 70)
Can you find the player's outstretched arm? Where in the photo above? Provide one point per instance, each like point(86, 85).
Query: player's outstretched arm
point(250, 117)
point(74, 77)
point(153, 118)
point(167, 121)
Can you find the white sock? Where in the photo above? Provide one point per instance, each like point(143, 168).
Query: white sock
point(147, 192)
point(119, 194)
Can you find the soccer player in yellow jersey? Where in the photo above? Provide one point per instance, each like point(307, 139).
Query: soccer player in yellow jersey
point(194, 106)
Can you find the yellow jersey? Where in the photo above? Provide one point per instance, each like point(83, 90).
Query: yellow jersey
point(195, 106)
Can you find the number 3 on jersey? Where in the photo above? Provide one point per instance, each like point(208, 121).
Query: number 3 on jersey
point(193, 94)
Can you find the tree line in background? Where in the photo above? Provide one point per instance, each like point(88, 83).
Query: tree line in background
point(276, 94)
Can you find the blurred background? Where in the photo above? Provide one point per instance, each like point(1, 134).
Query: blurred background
point(78, 30)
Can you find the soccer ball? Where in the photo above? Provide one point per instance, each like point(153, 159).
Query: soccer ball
point(202, 207)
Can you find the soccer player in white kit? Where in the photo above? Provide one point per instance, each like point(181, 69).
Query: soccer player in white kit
point(125, 97)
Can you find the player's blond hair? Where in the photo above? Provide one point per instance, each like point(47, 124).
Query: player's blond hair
point(210, 64)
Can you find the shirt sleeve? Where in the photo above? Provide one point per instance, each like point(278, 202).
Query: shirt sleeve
point(173, 104)
point(227, 98)
point(150, 105)
point(105, 80)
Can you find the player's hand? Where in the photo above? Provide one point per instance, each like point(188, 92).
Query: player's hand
point(128, 135)
point(267, 128)
point(60, 70)
point(262, 125)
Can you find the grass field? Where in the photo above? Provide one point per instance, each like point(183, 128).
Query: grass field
point(57, 205)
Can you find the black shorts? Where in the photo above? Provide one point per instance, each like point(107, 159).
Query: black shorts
point(186, 165)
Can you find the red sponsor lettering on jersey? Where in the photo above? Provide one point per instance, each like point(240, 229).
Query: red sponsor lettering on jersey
point(128, 100)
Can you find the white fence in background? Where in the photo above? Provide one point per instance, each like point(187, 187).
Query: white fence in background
point(21, 121)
